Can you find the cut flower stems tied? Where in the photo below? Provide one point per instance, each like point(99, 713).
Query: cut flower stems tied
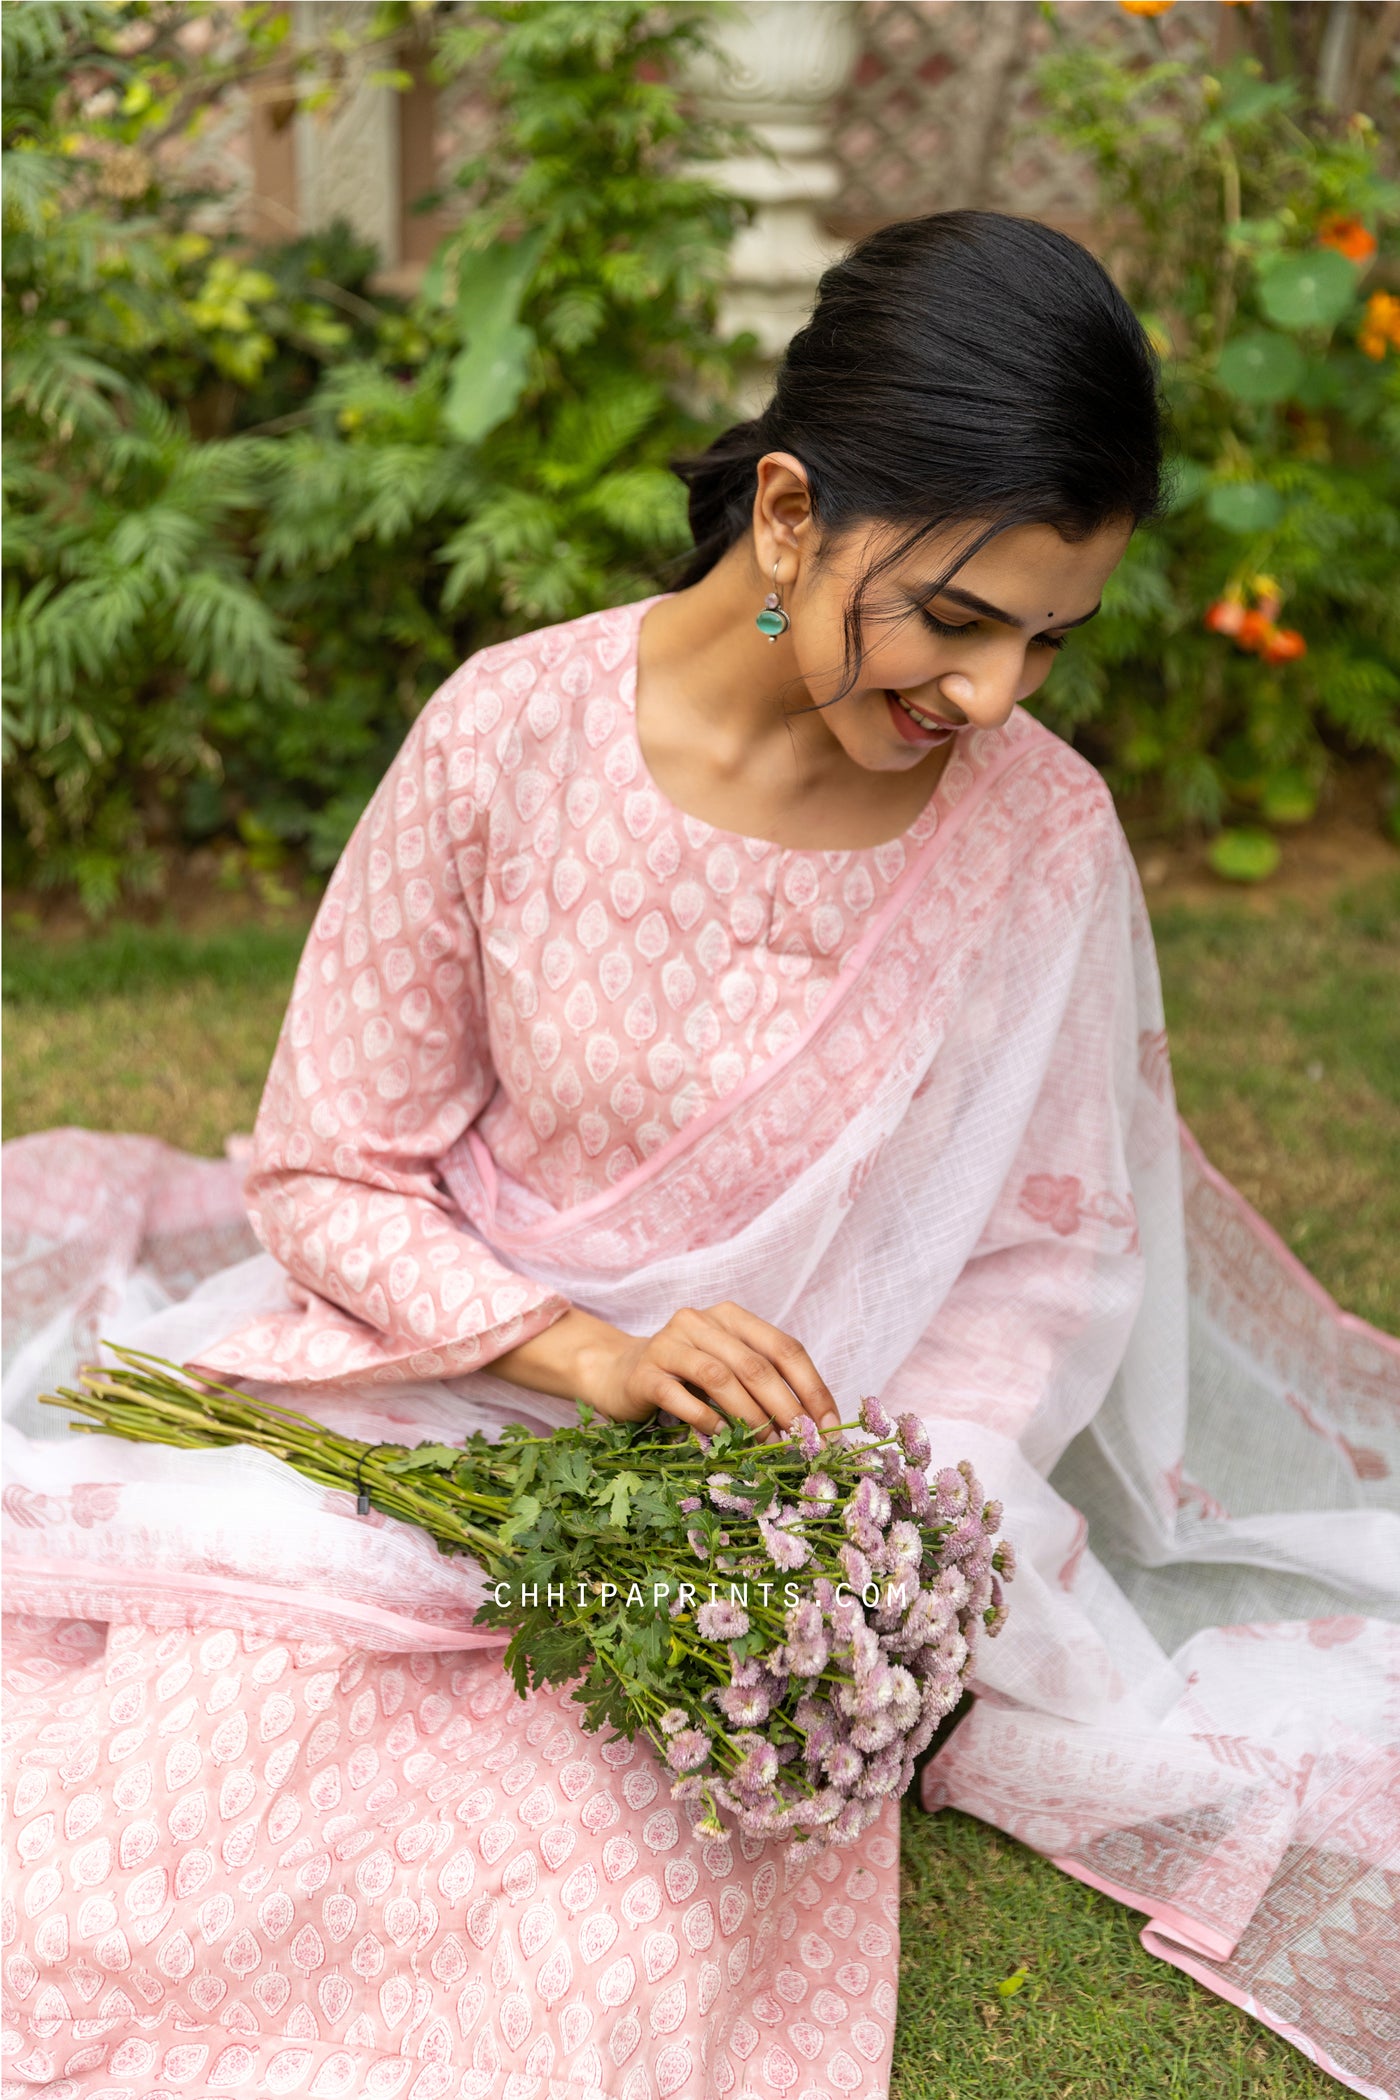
point(787, 1622)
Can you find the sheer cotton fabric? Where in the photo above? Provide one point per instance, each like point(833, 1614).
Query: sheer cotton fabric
point(958, 1176)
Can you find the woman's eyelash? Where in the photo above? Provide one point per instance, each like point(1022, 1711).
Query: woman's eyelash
point(1043, 641)
point(942, 626)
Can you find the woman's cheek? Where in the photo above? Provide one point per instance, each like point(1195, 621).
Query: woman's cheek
point(1033, 678)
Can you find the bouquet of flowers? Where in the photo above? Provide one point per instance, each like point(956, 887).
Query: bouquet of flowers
point(787, 1620)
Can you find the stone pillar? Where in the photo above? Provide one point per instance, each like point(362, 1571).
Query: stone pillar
point(348, 154)
point(775, 67)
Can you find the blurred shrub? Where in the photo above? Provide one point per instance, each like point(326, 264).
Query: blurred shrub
point(233, 580)
point(508, 467)
point(133, 624)
point(1247, 241)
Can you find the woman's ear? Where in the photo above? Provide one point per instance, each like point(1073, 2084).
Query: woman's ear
point(782, 509)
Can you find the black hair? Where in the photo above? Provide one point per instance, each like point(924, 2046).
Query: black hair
point(965, 366)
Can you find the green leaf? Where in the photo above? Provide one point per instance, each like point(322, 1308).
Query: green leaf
point(619, 1497)
point(1009, 1985)
point(487, 381)
point(491, 284)
point(1244, 855)
point(425, 1458)
point(1260, 366)
point(570, 1471)
point(1247, 99)
point(524, 1514)
point(1244, 506)
point(488, 376)
point(1288, 798)
point(1307, 291)
point(1188, 480)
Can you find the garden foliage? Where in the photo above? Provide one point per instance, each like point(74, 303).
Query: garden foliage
point(231, 589)
point(255, 510)
point(1249, 226)
point(513, 471)
point(133, 619)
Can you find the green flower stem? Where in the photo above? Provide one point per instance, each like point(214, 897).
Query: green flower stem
point(465, 1497)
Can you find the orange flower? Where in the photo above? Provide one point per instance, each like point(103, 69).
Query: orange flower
point(1226, 616)
point(1348, 236)
point(1283, 644)
point(1146, 7)
point(1380, 325)
point(1268, 598)
point(1254, 632)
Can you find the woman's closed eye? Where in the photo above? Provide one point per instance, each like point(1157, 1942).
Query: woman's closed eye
point(1040, 641)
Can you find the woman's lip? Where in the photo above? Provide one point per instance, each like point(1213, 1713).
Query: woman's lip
point(913, 732)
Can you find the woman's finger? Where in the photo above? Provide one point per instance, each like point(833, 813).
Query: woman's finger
point(670, 1397)
point(749, 1365)
point(787, 1356)
point(698, 1366)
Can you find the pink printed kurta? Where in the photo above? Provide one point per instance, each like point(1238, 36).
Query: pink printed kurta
point(527, 938)
point(293, 1867)
point(248, 1865)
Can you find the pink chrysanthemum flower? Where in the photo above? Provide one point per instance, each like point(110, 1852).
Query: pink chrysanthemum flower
point(873, 1735)
point(869, 1504)
point(759, 1766)
point(806, 1658)
point(722, 1620)
point(719, 1485)
point(874, 1418)
point(913, 1439)
point(805, 1432)
point(881, 1775)
point(786, 1551)
point(949, 1494)
point(687, 1751)
point(915, 1487)
point(844, 1765)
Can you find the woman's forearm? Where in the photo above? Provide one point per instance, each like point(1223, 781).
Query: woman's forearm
point(575, 1358)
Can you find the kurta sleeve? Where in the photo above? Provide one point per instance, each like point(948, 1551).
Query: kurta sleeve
point(382, 1063)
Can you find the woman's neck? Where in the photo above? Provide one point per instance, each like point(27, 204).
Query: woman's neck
point(729, 734)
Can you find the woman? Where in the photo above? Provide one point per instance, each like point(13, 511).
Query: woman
point(730, 1003)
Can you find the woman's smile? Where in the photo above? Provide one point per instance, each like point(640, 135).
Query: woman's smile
point(915, 724)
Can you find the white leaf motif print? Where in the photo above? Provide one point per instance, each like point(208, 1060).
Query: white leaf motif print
point(518, 884)
point(331, 1958)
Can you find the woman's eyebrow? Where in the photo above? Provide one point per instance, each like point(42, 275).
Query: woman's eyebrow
point(994, 612)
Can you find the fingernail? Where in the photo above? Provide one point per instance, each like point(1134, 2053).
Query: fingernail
point(829, 1422)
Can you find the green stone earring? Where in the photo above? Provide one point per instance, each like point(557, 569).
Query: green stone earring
point(773, 621)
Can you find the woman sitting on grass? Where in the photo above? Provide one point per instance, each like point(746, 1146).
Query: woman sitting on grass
point(731, 1003)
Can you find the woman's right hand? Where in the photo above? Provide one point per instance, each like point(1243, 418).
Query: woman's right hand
point(702, 1366)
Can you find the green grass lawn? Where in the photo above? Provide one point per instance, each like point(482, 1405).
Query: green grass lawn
point(1283, 1024)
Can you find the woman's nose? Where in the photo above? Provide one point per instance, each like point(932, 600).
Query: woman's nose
point(986, 702)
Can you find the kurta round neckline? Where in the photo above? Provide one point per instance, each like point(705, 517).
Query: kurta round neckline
point(911, 836)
